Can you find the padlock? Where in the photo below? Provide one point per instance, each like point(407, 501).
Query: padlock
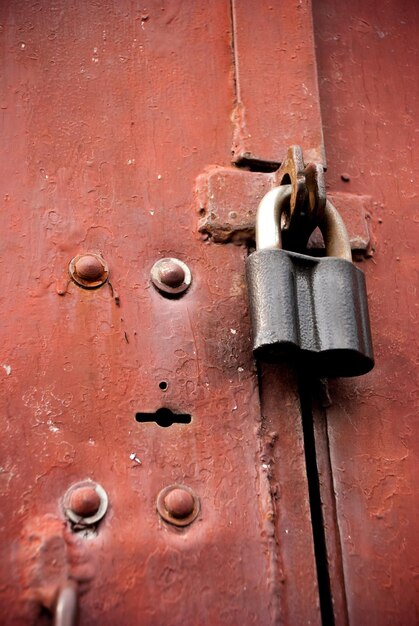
point(309, 310)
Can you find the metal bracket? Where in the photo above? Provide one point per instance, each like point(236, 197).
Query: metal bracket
point(227, 199)
point(308, 198)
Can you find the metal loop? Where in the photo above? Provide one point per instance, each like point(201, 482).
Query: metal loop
point(65, 612)
point(335, 235)
point(268, 224)
point(268, 217)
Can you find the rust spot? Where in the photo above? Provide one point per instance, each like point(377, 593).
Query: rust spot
point(88, 270)
point(89, 267)
point(178, 505)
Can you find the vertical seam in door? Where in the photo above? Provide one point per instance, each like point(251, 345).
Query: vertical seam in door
point(335, 517)
point(317, 520)
point(274, 564)
point(234, 55)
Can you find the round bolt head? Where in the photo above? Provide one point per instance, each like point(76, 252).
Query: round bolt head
point(89, 267)
point(178, 505)
point(171, 276)
point(84, 501)
point(89, 270)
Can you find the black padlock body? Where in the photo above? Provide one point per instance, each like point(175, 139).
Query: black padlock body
point(310, 310)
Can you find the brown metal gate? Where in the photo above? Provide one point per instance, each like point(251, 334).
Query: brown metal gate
point(139, 132)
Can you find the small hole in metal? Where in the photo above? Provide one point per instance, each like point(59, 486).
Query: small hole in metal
point(163, 385)
point(164, 418)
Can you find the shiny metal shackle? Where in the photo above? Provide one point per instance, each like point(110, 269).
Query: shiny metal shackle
point(268, 217)
point(268, 224)
point(65, 612)
point(335, 235)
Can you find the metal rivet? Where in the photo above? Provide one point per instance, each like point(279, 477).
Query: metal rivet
point(85, 503)
point(171, 276)
point(89, 267)
point(89, 270)
point(178, 505)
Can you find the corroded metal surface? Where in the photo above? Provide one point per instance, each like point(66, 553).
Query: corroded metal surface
point(178, 505)
point(106, 126)
point(308, 198)
point(88, 270)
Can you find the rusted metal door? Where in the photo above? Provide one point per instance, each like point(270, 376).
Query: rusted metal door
point(150, 472)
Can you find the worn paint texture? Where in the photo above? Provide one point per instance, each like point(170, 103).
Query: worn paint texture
point(113, 113)
point(368, 59)
point(276, 87)
point(109, 113)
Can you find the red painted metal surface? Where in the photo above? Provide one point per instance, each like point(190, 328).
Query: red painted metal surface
point(368, 59)
point(109, 113)
point(282, 447)
point(277, 101)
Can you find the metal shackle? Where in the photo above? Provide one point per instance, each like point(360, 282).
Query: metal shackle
point(268, 224)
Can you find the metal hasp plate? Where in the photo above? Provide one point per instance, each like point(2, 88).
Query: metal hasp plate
point(311, 309)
